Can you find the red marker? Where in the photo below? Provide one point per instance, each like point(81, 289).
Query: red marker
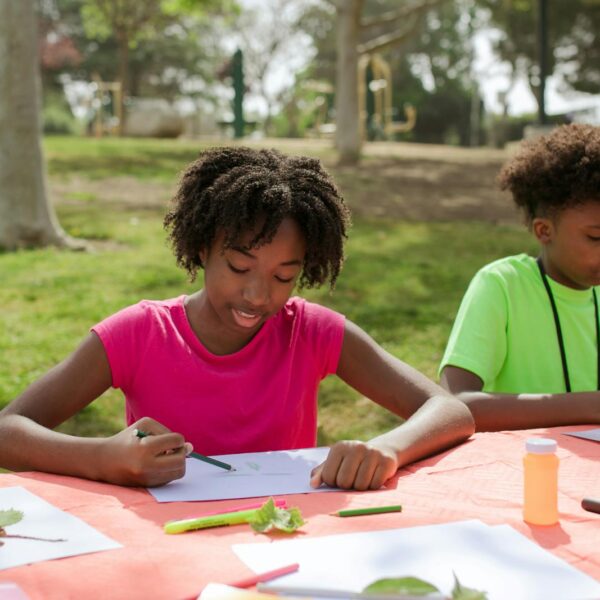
point(591, 505)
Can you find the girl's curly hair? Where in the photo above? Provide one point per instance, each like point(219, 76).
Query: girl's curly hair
point(237, 189)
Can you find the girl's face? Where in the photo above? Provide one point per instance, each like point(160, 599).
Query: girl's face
point(243, 288)
point(571, 245)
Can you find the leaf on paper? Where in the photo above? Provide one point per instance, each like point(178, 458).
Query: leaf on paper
point(12, 516)
point(411, 586)
point(464, 593)
point(269, 517)
point(9, 517)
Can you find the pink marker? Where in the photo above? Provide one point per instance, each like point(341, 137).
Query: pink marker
point(267, 576)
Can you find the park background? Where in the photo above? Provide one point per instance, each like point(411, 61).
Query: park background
point(426, 210)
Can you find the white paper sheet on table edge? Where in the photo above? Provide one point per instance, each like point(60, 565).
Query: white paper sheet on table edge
point(349, 561)
point(274, 473)
point(42, 519)
point(588, 434)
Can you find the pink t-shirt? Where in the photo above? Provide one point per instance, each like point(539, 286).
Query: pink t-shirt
point(263, 397)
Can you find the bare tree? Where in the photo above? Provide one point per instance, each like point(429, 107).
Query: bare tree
point(354, 38)
point(26, 217)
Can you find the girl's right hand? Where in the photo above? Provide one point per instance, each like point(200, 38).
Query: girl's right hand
point(148, 461)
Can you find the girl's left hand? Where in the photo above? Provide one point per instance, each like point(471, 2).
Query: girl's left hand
point(356, 465)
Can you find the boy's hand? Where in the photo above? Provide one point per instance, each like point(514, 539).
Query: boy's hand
point(356, 465)
point(151, 460)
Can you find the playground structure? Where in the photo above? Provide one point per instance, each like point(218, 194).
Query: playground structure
point(375, 100)
point(106, 105)
point(320, 107)
point(146, 117)
point(376, 111)
point(375, 107)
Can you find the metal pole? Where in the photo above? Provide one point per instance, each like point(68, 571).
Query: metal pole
point(238, 99)
point(542, 58)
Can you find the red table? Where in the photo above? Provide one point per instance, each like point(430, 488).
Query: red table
point(481, 479)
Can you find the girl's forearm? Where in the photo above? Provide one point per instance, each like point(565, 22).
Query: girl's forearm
point(440, 423)
point(28, 446)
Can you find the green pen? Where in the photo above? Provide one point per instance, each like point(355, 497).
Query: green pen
point(232, 518)
point(212, 461)
point(371, 510)
point(207, 459)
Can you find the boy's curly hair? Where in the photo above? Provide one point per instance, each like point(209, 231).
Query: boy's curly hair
point(556, 171)
point(236, 189)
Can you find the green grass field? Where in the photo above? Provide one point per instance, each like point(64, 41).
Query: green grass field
point(402, 281)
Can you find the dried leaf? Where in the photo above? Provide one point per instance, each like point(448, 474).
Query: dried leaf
point(10, 517)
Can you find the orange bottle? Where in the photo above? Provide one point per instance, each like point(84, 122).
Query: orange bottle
point(540, 506)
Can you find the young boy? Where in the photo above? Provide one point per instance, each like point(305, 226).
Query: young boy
point(524, 351)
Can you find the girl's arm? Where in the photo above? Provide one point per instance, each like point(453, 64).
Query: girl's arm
point(27, 441)
point(435, 419)
point(497, 412)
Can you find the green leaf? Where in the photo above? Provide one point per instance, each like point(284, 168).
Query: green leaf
point(269, 516)
point(10, 517)
point(401, 585)
point(464, 593)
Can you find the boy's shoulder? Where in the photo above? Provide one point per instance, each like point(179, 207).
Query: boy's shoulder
point(512, 276)
point(510, 268)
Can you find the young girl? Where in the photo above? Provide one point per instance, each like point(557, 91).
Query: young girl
point(234, 367)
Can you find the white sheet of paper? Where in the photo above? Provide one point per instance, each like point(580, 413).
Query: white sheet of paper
point(11, 591)
point(257, 474)
point(42, 519)
point(497, 560)
point(588, 434)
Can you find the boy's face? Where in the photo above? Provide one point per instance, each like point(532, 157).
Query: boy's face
point(571, 245)
point(243, 288)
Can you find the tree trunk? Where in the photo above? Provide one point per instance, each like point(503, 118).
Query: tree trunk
point(26, 217)
point(347, 132)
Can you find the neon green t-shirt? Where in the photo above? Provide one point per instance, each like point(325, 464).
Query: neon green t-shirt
point(505, 333)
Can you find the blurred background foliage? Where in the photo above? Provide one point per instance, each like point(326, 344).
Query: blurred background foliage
point(179, 50)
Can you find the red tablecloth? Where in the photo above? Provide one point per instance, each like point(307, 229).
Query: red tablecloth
point(481, 479)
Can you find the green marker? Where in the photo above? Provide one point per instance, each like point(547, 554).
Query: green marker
point(232, 518)
point(372, 510)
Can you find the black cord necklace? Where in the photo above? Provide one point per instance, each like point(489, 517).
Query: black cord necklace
point(561, 344)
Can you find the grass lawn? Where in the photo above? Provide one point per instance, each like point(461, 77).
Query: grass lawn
point(402, 281)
